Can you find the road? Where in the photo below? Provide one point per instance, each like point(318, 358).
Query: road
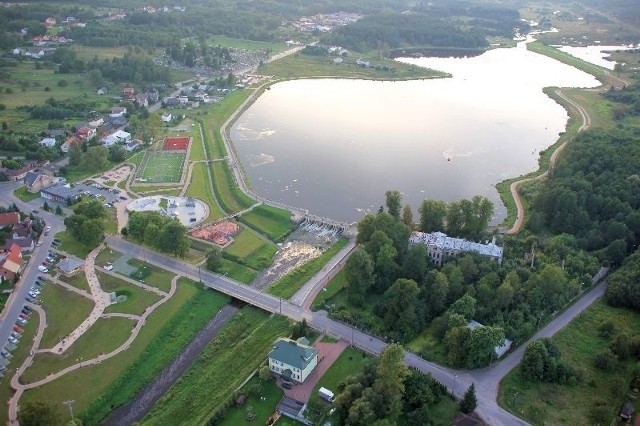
point(17, 299)
point(486, 380)
point(586, 123)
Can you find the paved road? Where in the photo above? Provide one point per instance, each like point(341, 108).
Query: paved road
point(17, 299)
point(486, 380)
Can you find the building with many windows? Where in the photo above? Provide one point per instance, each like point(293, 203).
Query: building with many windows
point(440, 246)
point(293, 360)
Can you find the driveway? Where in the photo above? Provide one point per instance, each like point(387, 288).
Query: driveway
point(327, 355)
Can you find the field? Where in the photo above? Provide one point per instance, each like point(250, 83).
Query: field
point(545, 403)
point(250, 250)
point(287, 286)
point(161, 167)
point(239, 348)
point(61, 322)
point(176, 143)
point(200, 188)
point(299, 65)
point(115, 381)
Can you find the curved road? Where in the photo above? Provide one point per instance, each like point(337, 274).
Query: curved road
point(586, 123)
point(486, 380)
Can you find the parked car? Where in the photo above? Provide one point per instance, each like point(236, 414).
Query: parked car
point(42, 269)
point(286, 385)
point(39, 243)
point(122, 197)
point(18, 329)
point(31, 299)
point(21, 321)
point(6, 354)
point(24, 316)
point(12, 340)
point(47, 229)
point(15, 335)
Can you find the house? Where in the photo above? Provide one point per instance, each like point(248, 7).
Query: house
point(293, 360)
point(70, 266)
point(626, 413)
point(192, 104)
point(337, 61)
point(118, 112)
point(36, 181)
point(19, 173)
point(500, 349)
point(85, 133)
point(70, 140)
point(119, 136)
point(34, 53)
point(131, 146)
point(48, 142)
point(128, 92)
point(17, 51)
point(25, 244)
point(12, 263)
point(440, 246)
point(60, 194)
point(102, 91)
point(9, 219)
point(96, 122)
point(119, 121)
point(166, 117)
point(142, 100)
point(49, 22)
point(50, 169)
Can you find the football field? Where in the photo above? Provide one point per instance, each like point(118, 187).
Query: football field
point(159, 166)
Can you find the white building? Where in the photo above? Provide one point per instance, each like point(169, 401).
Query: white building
point(440, 246)
point(48, 142)
point(294, 360)
point(119, 136)
point(166, 117)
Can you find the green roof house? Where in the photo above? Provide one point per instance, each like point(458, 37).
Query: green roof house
point(293, 360)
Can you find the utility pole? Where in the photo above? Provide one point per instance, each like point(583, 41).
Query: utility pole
point(69, 403)
point(281, 306)
point(199, 274)
point(455, 379)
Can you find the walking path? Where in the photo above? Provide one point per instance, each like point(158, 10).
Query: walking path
point(20, 388)
point(70, 288)
point(586, 123)
point(143, 286)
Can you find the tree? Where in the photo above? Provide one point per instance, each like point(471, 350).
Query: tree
point(415, 263)
point(173, 238)
point(389, 383)
point(92, 232)
point(265, 373)
point(359, 275)
point(432, 214)
point(407, 216)
point(75, 153)
point(58, 210)
point(394, 203)
point(117, 153)
point(469, 401)
point(38, 413)
point(96, 158)
point(465, 306)
point(46, 206)
point(481, 345)
point(534, 361)
point(400, 308)
point(214, 259)
point(93, 209)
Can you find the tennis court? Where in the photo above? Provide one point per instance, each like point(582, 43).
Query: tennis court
point(158, 166)
point(176, 144)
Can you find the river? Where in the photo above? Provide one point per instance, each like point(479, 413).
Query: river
point(335, 146)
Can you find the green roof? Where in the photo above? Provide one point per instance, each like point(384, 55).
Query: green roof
point(293, 353)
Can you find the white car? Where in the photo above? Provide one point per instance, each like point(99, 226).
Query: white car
point(47, 229)
point(42, 269)
point(39, 243)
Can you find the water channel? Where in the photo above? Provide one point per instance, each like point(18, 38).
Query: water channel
point(335, 146)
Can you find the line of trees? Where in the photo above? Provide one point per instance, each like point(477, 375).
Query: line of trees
point(87, 224)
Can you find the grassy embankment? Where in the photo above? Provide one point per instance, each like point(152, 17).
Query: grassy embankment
point(287, 286)
point(116, 380)
point(239, 348)
point(61, 322)
point(579, 342)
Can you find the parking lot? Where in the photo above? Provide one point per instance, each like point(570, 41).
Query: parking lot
point(96, 190)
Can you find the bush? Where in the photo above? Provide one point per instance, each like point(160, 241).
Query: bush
point(63, 83)
point(605, 360)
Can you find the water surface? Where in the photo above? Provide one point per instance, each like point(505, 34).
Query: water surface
point(335, 146)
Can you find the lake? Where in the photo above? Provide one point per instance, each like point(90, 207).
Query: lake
point(335, 146)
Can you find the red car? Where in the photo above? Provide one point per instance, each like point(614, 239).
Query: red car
point(25, 316)
point(17, 329)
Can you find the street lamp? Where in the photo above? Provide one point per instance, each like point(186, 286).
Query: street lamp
point(455, 379)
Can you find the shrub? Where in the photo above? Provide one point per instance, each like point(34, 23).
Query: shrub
point(605, 360)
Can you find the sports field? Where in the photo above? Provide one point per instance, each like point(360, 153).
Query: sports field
point(158, 166)
point(176, 144)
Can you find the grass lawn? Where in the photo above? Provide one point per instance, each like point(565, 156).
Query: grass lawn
point(273, 222)
point(19, 355)
point(26, 196)
point(250, 250)
point(238, 272)
point(197, 151)
point(230, 197)
point(300, 65)
point(200, 188)
point(287, 286)
point(78, 173)
point(428, 346)
point(153, 275)
point(263, 408)
point(137, 301)
point(239, 348)
point(65, 311)
point(162, 166)
point(546, 403)
point(72, 246)
point(113, 382)
point(246, 44)
point(152, 189)
point(337, 283)
point(78, 281)
point(107, 256)
point(104, 336)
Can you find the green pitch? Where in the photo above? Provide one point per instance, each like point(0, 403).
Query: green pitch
point(162, 167)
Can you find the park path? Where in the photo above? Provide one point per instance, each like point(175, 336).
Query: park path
point(101, 300)
point(69, 287)
point(586, 123)
point(20, 388)
point(143, 286)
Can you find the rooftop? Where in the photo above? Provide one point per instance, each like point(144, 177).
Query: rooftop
point(293, 353)
point(443, 241)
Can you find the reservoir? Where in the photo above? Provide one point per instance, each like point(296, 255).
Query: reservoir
point(335, 146)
